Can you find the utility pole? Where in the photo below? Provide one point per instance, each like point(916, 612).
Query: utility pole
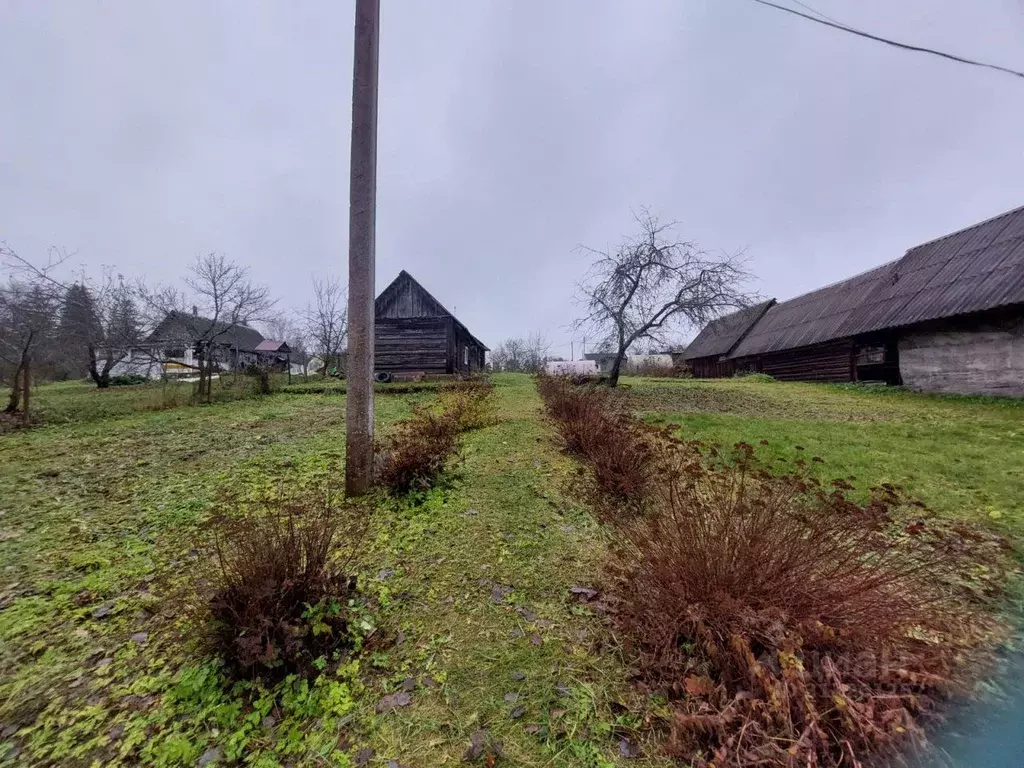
point(572, 349)
point(361, 257)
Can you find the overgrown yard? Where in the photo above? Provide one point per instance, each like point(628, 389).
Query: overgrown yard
point(962, 456)
point(478, 628)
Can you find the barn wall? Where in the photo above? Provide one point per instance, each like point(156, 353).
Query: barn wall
point(832, 361)
point(411, 345)
point(967, 362)
point(711, 368)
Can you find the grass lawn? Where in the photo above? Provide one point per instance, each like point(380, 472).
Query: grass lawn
point(101, 520)
point(961, 456)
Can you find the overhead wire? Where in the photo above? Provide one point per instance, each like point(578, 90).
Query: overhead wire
point(887, 41)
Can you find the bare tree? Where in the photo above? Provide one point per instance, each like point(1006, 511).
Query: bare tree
point(522, 354)
point(326, 321)
point(223, 300)
point(654, 283)
point(28, 308)
point(99, 324)
point(98, 321)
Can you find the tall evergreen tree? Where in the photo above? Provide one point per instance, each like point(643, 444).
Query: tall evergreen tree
point(80, 328)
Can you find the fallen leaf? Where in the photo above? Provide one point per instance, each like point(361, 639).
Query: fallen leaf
point(392, 702)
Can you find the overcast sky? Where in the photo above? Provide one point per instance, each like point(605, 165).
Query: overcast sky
point(141, 134)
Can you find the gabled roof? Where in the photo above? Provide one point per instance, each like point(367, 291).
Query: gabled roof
point(721, 335)
point(182, 327)
point(269, 345)
point(406, 288)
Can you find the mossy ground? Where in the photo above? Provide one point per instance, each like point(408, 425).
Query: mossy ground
point(102, 523)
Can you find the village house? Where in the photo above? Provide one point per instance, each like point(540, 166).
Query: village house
point(415, 335)
point(172, 349)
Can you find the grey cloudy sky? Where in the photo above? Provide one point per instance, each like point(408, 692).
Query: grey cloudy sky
point(141, 134)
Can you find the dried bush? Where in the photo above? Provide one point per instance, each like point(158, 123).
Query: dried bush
point(618, 449)
point(787, 625)
point(470, 401)
point(581, 414)
point(415, 454)
point(282, 585)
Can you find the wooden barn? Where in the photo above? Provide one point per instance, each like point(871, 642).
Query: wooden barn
point(414, 334)
point(707, 356)
point(947, 317)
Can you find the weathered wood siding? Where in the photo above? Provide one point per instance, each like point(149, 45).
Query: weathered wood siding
point(711, 367)
point(407, 299)
point(833, 361)
point(980, 362)
point(412, 345)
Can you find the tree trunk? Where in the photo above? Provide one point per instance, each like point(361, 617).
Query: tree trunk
point(613, 376)
point(15, 397)
point(100, 378)
point(26, 383)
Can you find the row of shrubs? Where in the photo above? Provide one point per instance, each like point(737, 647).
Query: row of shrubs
point(413, 456)
point(785, 624)
point(283, 592)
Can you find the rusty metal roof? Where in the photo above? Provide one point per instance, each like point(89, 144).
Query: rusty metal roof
point(721, 335)
point(978, 268)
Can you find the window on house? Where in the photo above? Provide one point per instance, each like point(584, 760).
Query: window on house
point(174, 352)
point(465, 355)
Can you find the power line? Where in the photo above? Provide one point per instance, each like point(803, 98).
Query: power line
point(894, 43)
point(817, 13)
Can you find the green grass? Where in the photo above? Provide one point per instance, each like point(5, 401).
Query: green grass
point(468, 585)
point(81, 401)
point(961, 456)
point(110, 513)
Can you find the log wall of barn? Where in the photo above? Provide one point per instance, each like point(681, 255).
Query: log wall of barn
point(711, 368)
point(412, 345)
point(986, 361)
point(822, 362)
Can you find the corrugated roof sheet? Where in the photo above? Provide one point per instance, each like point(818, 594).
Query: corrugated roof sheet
point(978, 268)
point(975, 269)
point(814, 317)
point(721, 335)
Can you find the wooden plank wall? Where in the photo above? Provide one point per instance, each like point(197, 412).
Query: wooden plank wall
point(407, 300)
point(411, 345)
point(711, 368)
point(832, 361)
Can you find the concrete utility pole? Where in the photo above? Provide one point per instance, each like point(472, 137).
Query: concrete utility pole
point(361, 258)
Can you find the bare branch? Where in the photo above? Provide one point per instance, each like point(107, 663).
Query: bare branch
point(654, 283)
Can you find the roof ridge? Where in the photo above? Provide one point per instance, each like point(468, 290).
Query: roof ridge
point(964, 229)
point(844, 280)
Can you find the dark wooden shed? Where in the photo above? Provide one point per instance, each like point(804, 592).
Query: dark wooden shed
point(415, 334)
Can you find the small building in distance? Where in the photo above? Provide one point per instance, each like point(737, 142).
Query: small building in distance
point(415, 335)
point(603, 360)
point(946, 317)
point(276, 355)
point(172, 349)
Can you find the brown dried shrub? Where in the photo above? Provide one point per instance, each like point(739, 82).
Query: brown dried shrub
point(618, 449)
point(581, 414)
point(282, 584)
point(415, 454)
point(470, 401)
point(787, 625)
